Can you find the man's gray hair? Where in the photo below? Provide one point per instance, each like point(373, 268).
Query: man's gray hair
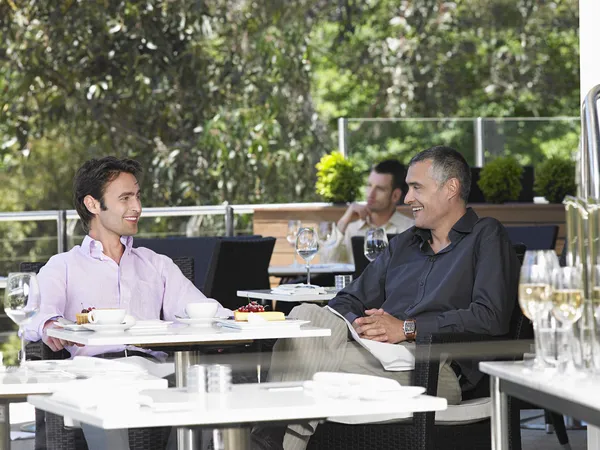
point(447, 163)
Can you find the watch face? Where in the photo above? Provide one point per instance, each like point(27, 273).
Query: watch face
point(409, 327)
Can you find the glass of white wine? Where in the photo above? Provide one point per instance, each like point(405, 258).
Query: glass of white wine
point(292, 232)
point(307, 246)
point(567, 307)
point(535, 289)
point(21, 302)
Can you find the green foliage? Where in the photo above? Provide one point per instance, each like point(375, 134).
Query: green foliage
point(10, 351)
point(555, 178)
point(338, 179)
point(500, 180)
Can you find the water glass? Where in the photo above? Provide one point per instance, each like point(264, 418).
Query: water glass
point(341, 281)
point(219, 378)
point(376, 242)
point(292, 232)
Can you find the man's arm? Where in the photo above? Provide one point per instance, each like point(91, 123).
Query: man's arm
point(494, 292)
point(367, 292)
point(179, 291)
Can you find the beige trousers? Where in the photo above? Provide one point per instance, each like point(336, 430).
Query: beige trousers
point(300, 359)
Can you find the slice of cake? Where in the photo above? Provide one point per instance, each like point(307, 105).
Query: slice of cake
point(82, 317)
point(241, 314)
point(267, 315)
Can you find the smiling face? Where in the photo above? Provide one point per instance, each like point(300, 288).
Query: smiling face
point(381, 196)
point(119, 210)
point(430, 202)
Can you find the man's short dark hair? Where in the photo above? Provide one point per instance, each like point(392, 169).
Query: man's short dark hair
point(92, 179)
point(447, 163)
point(394, 168)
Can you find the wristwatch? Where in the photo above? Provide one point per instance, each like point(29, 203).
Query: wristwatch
point(410, 329)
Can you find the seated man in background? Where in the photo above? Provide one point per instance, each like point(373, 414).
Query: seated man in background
point(451, 272)
point(385, 188)
point(106, 271)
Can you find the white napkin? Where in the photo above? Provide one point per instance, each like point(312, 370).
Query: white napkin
point(393, 357)
point(159, 370)
point(298, 289)
point(350, 386)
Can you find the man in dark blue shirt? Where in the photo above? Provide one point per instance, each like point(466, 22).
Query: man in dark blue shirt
point(451, 272)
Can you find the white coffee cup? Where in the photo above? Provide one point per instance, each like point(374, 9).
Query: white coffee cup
point(201, 310)
point(107, 316)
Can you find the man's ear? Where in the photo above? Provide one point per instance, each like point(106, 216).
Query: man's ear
point(91, 204)
point(453, 186)
point(396, 195)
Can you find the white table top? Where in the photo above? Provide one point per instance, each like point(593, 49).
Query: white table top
point(247, 403)
point(300, 269)
point(581, 390)
point(182, 334)
point(15, 384)
point(266, 294)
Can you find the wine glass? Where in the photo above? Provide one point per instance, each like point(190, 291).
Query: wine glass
point(307, 246)
point(376, 242)
point(325, 233)
point(535, 289)
point(293, 228)
point(567, 307)
point(21, 302)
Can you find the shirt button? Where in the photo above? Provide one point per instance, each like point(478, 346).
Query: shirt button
point(421, 283)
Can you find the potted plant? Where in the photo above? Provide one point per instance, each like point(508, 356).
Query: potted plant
point(338, 179)
point(555, 178)
point(500, 180)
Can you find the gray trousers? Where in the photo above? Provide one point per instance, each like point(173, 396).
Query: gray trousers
point(300, 359)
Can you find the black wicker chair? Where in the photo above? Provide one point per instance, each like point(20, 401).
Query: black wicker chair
point(51, 432)
point(541, 237)
point(358, 253)
point(421, 432)
point(241, 264)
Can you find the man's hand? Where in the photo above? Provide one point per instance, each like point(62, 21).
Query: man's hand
point(362, 211)
point(55, 344)
point(380, 326)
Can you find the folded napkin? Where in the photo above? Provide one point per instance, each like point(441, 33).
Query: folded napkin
point(298, 289)
point(350, 386)
point(393, 357)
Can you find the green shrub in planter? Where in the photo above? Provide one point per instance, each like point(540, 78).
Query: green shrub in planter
point(500, 180)
point(555, 178)
point(338, 179)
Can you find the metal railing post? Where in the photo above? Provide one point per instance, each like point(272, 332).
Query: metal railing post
point(479, 156)
point(229, 221)
point(343, 136)
point(61, 231)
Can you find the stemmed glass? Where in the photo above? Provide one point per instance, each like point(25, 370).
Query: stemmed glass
point(567, 307)
point(307, 246)
point(376, 242)
point(535, 290)
point(21, 302)
point(293, 228)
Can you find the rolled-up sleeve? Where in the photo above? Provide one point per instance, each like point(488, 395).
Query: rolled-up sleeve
point(179, 291)
point(494, 292)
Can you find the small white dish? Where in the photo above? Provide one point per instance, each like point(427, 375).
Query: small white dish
point(113, 329)
point(151, 324)
point(71, 326)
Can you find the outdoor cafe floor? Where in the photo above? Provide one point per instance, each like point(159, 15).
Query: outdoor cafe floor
point(532, 439)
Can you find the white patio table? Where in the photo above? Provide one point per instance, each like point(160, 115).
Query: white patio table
point(300, 269)
point(178, 334)
point(266, 294)
point(15, 386)
point(245, 405)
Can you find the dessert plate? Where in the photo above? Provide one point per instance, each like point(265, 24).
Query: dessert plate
point(292, 323)
point(204, 322)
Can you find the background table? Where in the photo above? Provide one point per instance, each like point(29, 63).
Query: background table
point(300, 269)
point(568, 395)
point(247, 404)
point(266, 294)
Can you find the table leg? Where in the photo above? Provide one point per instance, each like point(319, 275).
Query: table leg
point(4, 426)
point(187, 438)
point(499, 416)
point(231, 439)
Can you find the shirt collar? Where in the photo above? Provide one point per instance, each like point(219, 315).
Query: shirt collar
point(464, 225)
point(397, 220)
point(94, 248)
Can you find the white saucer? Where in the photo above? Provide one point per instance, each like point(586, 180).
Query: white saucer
point(116, 328)
point(204, 322)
